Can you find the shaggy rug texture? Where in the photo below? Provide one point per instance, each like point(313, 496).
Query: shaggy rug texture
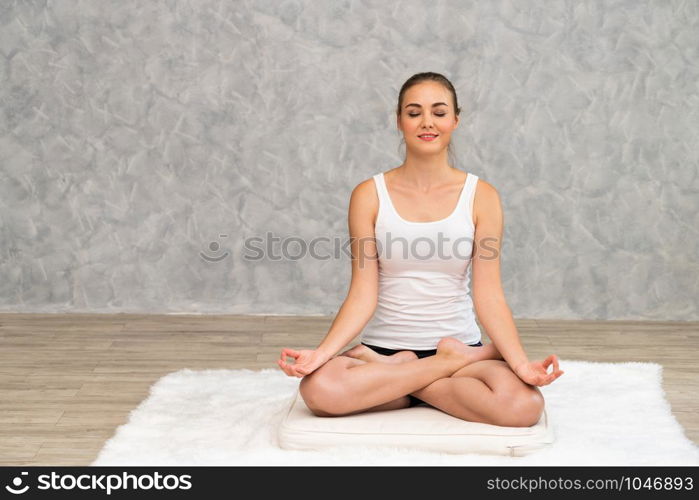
point(602, 414)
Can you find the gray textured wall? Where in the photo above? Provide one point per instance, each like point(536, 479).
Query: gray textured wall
point(135, 137)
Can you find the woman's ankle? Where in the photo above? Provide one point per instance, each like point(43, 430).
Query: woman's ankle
point(491, 352)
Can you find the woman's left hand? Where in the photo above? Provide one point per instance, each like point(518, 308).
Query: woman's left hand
point(534, 372)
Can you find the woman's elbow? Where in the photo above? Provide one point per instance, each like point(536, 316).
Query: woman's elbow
point(368, 297)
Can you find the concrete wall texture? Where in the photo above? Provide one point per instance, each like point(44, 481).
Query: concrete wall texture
point(143, 145)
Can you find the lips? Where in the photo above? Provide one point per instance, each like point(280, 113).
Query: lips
point(428, 137)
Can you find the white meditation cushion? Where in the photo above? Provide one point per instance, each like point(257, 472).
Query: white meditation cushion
point(423, 427)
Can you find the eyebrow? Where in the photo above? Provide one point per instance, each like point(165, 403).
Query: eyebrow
point(435, 104)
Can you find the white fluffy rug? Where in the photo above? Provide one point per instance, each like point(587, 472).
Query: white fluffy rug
point(602, 414)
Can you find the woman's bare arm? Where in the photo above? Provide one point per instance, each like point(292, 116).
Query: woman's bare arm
point(362, 298)
point(488, 296)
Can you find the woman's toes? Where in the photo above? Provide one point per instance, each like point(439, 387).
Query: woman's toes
point(354, 352)
point(365, 353)
point(360, 351)
point(455, 348)
point(403, 356)
point(452, 346)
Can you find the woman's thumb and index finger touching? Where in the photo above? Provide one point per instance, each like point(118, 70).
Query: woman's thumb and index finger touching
point(294, 370)
point(286, 351)
point(305, 361)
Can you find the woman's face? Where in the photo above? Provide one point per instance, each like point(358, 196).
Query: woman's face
point(427, 109)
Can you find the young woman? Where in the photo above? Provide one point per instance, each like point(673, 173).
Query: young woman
point(415, 230)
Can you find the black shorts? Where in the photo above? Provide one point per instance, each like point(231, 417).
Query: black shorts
point(420, 354)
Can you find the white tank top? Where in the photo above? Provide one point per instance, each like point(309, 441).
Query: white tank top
point(423, 284)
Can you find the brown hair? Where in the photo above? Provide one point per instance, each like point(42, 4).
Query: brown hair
point(428, 76)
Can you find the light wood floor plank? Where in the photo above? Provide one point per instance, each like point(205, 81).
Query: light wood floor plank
point(68, 380)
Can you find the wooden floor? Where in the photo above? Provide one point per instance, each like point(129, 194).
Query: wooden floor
point(68, 381)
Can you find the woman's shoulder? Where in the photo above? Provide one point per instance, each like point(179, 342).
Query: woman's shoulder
point(365, 194)
point(485, 186)
point(486, 199)
point(364, 201)
point(365, 188)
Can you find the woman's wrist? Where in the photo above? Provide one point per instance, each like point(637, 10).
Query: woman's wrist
point(325, 352)
point(518, 364)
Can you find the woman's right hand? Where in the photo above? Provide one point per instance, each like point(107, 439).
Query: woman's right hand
point(535, 372)
point(305, 361)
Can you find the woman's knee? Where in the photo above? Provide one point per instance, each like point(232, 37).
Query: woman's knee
point(524, 409)
point(322, 389)
point(522, 403)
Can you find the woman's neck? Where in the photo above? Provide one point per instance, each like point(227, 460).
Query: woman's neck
point(425, 176)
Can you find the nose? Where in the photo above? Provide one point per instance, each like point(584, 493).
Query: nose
point(426, 122)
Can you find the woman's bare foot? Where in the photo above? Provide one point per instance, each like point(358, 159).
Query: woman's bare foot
point(486, 351)
point(454, 348)
point(365, 353)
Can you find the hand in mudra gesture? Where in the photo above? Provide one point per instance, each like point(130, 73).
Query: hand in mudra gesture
point(305, 361)
point(534, 372)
